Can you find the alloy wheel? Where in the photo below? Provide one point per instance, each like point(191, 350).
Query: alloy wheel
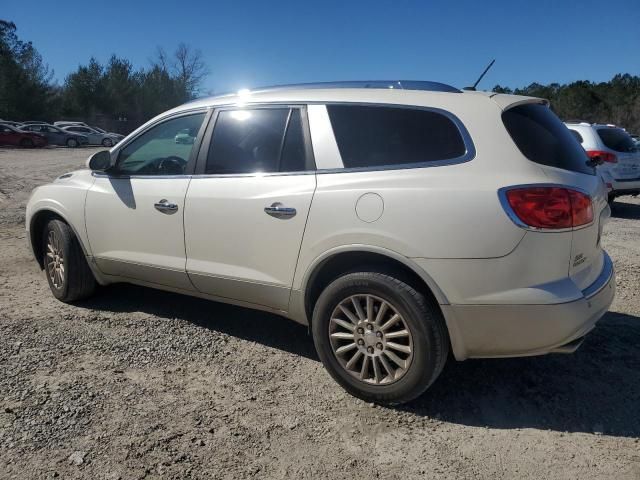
point(370, 339)
point(55, 260)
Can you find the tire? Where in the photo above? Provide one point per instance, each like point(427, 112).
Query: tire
point(60, 246)
point(72, 143)
point(107, 143)
point(427, 341)
point(26, 142)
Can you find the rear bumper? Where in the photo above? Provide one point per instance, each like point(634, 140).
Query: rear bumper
point(625, 187)
point(483, 331)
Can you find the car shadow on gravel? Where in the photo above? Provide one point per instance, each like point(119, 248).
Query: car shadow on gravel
point(594, 390)
point(247, 324)
point(628, 211)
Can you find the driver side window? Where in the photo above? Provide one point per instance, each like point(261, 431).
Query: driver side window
point(163, 149)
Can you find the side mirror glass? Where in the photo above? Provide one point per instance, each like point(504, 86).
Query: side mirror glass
point(100, 161)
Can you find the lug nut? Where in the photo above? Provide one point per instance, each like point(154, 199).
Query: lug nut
point(369, 327)
point(360, 342)
point(379, 346)
point(370, 349)
point(379, 334)
point(360, 330)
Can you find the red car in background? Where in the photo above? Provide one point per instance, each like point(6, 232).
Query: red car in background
point(12, 136)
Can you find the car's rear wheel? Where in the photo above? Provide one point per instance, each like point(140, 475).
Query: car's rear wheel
point(26, 142)
point(72, 143)
point(68, 274)
point(107, 143)
point(379, 338)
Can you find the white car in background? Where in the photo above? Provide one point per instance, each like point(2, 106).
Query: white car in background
point(118, 136)
point(95, 137)
point(617, 153)
point(399, 220)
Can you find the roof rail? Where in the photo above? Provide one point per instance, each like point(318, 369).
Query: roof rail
point(385, 84)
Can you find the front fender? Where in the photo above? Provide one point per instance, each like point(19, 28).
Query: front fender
point(63, 200)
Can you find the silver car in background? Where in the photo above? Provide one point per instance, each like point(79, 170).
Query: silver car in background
point(95, 137)
point(617, 153)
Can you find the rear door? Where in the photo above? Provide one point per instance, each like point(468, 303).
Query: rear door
point(247, 206)
point(55, 136)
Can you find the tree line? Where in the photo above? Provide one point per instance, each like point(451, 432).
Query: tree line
point(120, 97)
point(115, 94)
point(616, 101)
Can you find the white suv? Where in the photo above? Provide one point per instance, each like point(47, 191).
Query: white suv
point(617, 153)
point(399, 221)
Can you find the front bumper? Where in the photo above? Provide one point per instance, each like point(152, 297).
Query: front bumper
point(485, 331)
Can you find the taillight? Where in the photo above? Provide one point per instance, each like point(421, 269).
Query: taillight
point(603, 157)
point(550, 207)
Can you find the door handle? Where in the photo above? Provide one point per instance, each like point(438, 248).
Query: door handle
point(280, 211)
point(165, 206)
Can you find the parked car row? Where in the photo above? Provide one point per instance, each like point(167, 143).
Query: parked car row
point(614, 152)
point(70, 134)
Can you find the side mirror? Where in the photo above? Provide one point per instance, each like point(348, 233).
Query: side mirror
point(100, 161)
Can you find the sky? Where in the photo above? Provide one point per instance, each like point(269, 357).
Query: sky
point(248, 44)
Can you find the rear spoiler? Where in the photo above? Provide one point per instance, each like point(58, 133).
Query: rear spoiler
point(505, 102)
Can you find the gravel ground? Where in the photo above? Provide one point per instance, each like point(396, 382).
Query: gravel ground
point(136, 383)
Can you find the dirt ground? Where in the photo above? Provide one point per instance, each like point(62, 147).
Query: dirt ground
point(137, 383)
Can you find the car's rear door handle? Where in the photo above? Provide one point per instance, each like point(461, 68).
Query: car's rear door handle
point(165, 206)
point(280, 211)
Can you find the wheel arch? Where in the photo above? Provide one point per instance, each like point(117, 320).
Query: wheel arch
point(339, 261)
point(37, 223)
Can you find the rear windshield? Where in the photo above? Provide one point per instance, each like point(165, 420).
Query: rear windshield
point(544, 139)
point(616, 139)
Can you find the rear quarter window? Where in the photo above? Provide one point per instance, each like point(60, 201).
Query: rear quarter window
point(379, 136)
point(577, 135)
point(544, 139)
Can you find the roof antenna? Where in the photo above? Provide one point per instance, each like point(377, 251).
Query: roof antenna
point(473, 89)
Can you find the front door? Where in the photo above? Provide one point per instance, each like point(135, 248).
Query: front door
point(134, 212)
point(247, 205)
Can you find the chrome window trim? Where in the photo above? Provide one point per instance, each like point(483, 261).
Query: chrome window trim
point(205, 175)
point(150, 177)
point(211, 118)
point(466, 137)
point(502, 196)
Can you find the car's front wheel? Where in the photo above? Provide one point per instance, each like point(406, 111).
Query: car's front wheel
point(72, 143)
point(68, 274)
point(379, 338)
point(107, 143)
